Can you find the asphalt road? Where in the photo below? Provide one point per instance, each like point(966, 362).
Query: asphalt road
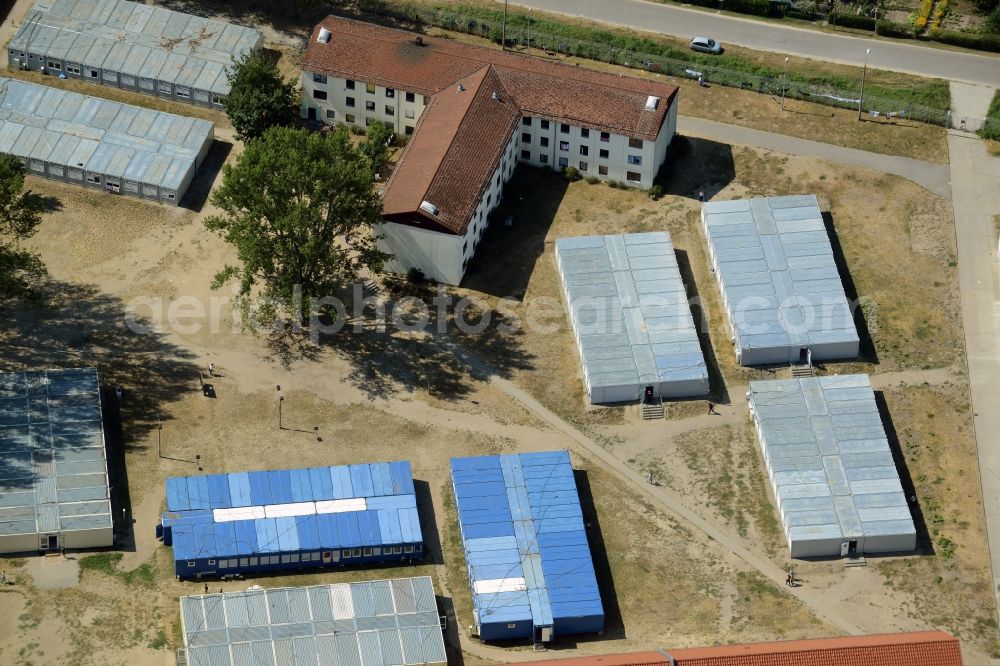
point(770, 36)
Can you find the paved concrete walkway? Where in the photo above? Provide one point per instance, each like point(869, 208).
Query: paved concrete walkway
point(976, 188)
point(933, 177)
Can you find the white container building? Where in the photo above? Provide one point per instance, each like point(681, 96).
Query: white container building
point(54, 490)
point(101, 144)
point(779, 281)
point(133, 46)
point(630, 316)
point(830, 467)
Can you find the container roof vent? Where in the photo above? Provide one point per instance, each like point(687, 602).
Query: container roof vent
point(324, 36)
point(461, 88)
point(428, 207)
point(652, 102)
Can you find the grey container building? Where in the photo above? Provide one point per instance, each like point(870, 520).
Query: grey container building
point(630, 316)
point(372, 623)
point(53, 468)
point(134, 46)
point(779, 281)
point(101, 144)
point(830, 466)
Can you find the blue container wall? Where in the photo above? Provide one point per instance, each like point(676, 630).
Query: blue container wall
point(209, 567)
point(501, 631)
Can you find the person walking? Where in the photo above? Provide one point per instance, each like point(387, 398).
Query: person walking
point(701, 196)
point(711, 408)
point(211, 369)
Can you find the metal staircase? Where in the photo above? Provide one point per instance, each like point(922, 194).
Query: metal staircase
point(652, 410)
point(800, 370)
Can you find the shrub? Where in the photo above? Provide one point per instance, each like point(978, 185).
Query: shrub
point(983, 42)
point(890, 29)
point(799, 14)
point(852, 21)
point(571, 173)
point(755, 7)
point(615, 185)
point(358, 130)
point(656, 191)
point(714, 4)
point(939, 14)
point(415, 276)
point(991, 130)
point(593, 180)
point(992, 22)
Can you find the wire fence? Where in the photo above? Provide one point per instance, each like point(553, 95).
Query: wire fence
point(522, 36)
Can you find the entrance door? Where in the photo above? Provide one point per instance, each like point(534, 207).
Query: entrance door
point(803, 355)
point(312, 113)
point(852, 547)
point(53, 542)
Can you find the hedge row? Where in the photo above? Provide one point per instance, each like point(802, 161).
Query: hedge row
point(982, 42)
point(755, 7)
point(890, 29)
point(714, 4)
point(991, 129)
point(852, 21)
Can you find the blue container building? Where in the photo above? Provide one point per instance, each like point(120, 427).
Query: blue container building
point(245, 522)
point(526, 547)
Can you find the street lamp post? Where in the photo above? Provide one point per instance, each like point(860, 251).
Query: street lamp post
point(281, 399)
point(159, 431)
point(784, 84)
point(864, 73)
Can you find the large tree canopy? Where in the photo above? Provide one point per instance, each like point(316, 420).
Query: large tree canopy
point(20, 214)
point(300, 211)
point(259, 97)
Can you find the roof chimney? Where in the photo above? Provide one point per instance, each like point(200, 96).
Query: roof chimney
point(461, 88)
point(652, 102)
point(496, 97)
point(428, 207)
point(420, 40)
point(324, 36)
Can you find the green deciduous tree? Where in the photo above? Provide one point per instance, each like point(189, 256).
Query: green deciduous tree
point(20, 214)
point(301, 212)
point(259, 97)
point(376, 144)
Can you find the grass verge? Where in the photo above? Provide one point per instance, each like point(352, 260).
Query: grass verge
point(107, 563)
point(991, 130)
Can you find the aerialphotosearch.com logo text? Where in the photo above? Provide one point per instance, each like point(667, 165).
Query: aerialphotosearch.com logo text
point(471, 315)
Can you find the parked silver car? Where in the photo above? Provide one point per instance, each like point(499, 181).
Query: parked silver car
point(706, 45)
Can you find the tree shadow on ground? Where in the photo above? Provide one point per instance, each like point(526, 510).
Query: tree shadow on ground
point(693, 165)
point(201, 186)
point(405, 337)
point(506, 256)
point(866, 348)
point(76, 325)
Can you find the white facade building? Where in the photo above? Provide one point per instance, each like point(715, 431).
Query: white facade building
point(612, 128)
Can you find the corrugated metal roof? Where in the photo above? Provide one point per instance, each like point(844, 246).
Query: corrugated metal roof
point(105, 137)
point(520, 518)
point(630, 315)
point(294, 626)
point(828, 459)
point(53, 472)
point(779, 281)
point(246, 513)
point(135, 39)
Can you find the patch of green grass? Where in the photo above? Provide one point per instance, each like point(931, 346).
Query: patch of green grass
point(991, 130)
point(159, 641)
point(107, 563)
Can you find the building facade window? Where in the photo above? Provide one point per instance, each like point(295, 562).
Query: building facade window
point(605, 136)
point(410, 97)
point(319, 94)
point(369, 105)
point(427, 100)
point(319, 78)
point(370, 88)
point(348, 117)
point(526, 121)
point(390, 92)
point(603, 154)
point(564, 145)
point(349, 102)
point(331, 114)
point(350, 84)
point(584, 132)
point(544, 159)
point(409, 113)
point(563, 162)
point(583, 166)
point(635, 143)
point(563, 128)
point(545, 124)
point(408, 129)
point(525, 154)
point(633, 176)
point(602, 169)
point(544, 141)
point(525, 137)
point(635, 159)
point(390, 110)
point(584, 150)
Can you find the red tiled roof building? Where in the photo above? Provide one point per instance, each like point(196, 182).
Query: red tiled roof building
point(473, 113)
point(918, 648)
